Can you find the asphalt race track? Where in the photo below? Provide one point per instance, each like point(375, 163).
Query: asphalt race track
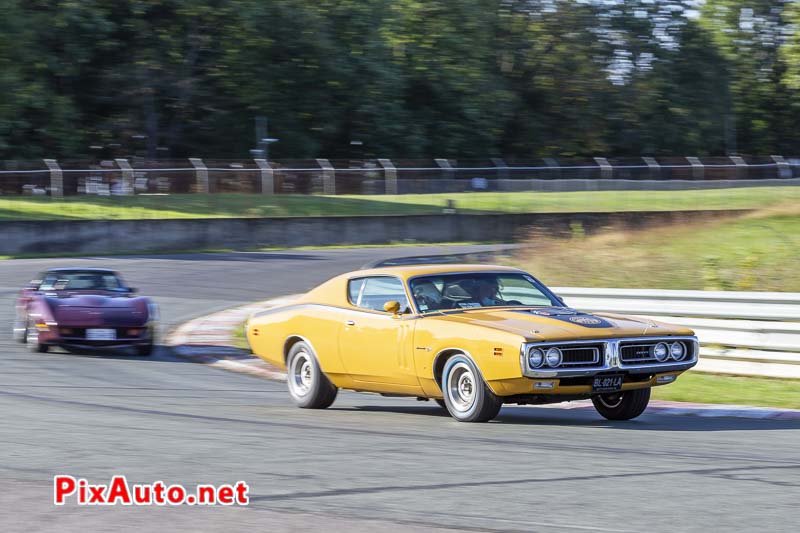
point(368, 463)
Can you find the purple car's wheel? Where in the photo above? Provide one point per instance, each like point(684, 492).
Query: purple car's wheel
point(32, 339)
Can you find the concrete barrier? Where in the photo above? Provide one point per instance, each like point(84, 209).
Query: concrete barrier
point(169, 235)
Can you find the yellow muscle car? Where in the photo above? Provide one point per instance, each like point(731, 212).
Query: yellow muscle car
point(470, 337)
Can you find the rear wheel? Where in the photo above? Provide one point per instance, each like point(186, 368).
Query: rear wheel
point(622, 405)
point(144, 349)
point(32, 339)
point(308, 386)
point(466, 395)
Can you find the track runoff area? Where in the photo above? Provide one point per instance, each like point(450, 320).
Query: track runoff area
point(369, 463)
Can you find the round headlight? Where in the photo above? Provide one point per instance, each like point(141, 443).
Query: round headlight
point(677, 350)
point(661, 351)
point(535, 357)
point(553, 357)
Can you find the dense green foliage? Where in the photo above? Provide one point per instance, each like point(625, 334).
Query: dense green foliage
point(407, 78)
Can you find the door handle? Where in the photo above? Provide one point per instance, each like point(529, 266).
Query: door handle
point(351, 323)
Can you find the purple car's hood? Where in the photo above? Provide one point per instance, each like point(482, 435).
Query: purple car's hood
point(97, 308)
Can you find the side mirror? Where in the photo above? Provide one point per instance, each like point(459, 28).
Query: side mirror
point(392, 306)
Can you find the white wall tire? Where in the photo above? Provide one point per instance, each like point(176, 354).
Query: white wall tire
point(308, 386)
point(466, 395)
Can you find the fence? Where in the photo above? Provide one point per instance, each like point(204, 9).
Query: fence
point(748, 333)
point(385, 176)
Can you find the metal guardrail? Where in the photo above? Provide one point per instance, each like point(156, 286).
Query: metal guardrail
point(131, 176)
point(749, 333)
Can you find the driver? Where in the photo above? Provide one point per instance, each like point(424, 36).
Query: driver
point(427, 295)
point(487, 292)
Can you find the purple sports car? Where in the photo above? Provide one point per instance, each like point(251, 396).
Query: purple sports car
point(83, 308)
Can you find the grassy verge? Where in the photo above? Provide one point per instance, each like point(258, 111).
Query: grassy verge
point(759, 251)
point(710, 388)
point(256, 205)
point(239, 339)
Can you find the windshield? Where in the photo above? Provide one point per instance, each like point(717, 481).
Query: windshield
point(76, 281)
point(474, 290)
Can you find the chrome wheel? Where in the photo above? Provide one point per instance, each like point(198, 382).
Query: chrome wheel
point(461, 387)
point(301, 375)
point(308, 385)
point(610, 401)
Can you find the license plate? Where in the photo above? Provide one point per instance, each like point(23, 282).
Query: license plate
point(607, 383)
point(97, 334)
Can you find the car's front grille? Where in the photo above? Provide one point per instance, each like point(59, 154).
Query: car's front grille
point(644, 352)
point(582, 355)
point(637, 353)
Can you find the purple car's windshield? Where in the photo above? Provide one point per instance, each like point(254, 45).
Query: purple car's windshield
point(471, 290)
point(78, 281)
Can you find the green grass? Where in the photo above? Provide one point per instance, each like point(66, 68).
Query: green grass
point(710, 388)
point(760, 251)
point(238, 337)
point(256, 205)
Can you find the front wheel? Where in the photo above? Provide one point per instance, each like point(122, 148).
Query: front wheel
point(466, 395)
point(308, 386)
point(32, 339)
point(622, 405)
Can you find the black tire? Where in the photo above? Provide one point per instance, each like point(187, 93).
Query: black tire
point(32, 339)
point(466, 395)
point(622, 405)
point(441, 403)
point(309, 387)
point(144, 349)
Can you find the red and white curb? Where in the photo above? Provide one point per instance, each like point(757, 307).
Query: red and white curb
point(208, 340)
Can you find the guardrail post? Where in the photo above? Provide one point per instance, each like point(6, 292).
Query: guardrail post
point(784, 170)
point(56, 178)
point(267, 176)
point(698, 169)
point(328, 177)
point(606, 170)
point(202, 174)
point(127, 175)
point(502, 167)
point(554, 166)
point(447, 168)
point(390, 175)
point(741, 166)
point(653, 167)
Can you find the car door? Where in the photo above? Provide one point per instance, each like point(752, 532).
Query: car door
point(375, 345)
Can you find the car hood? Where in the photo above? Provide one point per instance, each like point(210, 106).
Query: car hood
point(97, 308)
point(93, 299)
point(561, 323)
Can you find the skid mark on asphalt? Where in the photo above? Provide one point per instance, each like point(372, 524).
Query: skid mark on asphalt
point(712, 472)
point(402, 435)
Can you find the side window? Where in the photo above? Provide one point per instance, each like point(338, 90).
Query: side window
point(49, 282)
point(377, 291)
point(354, 290)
